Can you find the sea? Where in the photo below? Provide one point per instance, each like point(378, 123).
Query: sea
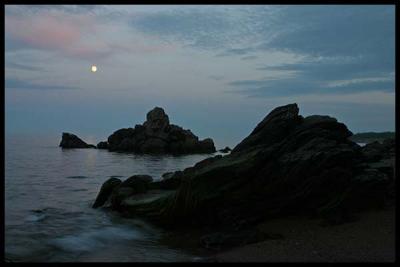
point(48, 196)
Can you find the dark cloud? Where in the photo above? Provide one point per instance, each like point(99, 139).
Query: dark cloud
point(338, 42)
point(12, 83)
point(335, 30)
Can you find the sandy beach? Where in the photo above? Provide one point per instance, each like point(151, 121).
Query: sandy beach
point(369, 239)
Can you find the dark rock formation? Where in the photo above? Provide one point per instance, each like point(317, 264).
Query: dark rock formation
point(157, 135)
point(225, 150)
point(72, 141)
point(102, 145)
point(377, 151)
point(105, 191)
point(379, 164)
point(116, 191)
point(139, 183)
point(288, 165)
point(171, 180)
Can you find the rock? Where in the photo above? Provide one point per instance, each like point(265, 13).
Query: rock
point(117, 137)
point(102, 145)
point(105, 191)
point(167, 175)
point(206, 145)
point(119, 194)
point(127, 144)
point(288, 165)
point(376, 151)
point(138, 182)
point(135, 184)
point(157, 135)
point(272, 128)
point(156, 121)
point(171, 180)
point(225, 150)
point(72, 141)
point(153, 145)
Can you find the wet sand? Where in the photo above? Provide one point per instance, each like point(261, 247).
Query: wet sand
point(369, 239)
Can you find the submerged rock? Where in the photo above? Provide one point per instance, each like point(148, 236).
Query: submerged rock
point(157, 135)
point(287, 165)
point(72, 141)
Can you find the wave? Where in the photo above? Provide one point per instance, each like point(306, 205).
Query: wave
point(35, 217)
point(94, 239)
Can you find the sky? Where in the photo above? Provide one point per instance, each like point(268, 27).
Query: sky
point(217, 70)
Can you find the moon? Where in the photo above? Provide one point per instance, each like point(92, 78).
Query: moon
point(94, 68)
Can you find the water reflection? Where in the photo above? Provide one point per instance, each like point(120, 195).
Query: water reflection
point(48, 196)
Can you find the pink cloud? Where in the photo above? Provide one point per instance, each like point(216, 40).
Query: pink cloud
point(48, 31)
point(72, 35)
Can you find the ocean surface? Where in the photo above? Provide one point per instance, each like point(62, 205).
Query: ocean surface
point(48, 196)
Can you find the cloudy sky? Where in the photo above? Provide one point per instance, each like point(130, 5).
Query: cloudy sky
point(217, 70)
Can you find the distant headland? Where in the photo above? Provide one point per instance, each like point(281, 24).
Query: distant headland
point(369, 137)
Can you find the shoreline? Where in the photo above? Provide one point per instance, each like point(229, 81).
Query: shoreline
point(371, 238)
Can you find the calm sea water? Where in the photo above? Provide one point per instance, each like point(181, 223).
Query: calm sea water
point(48, 196)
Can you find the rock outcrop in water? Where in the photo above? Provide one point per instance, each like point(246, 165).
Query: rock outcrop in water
point(288, 165)
point(105, 191)
point(102, 145)
point(72, 141)
point(157, 135)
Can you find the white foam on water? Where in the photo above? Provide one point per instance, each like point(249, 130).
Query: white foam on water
point(94, 239)
point(35, 217)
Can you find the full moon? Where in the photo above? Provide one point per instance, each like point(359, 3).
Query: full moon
point(94, 68)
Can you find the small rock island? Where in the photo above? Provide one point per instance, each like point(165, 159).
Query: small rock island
point(157, 135)
point(72, 141)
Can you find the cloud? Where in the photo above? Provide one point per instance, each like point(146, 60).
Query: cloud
point(13, 83)
point(216, 77)
point(76, 32)
point(50, 31)
point(38, 9)
point(235, 52)
point(301, 85)
point(19, 66)
point(335, 30)
point(352, 44)
point(201, 27)
point(249, 57)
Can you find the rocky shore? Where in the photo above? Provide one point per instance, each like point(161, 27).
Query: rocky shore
point(289, 165)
